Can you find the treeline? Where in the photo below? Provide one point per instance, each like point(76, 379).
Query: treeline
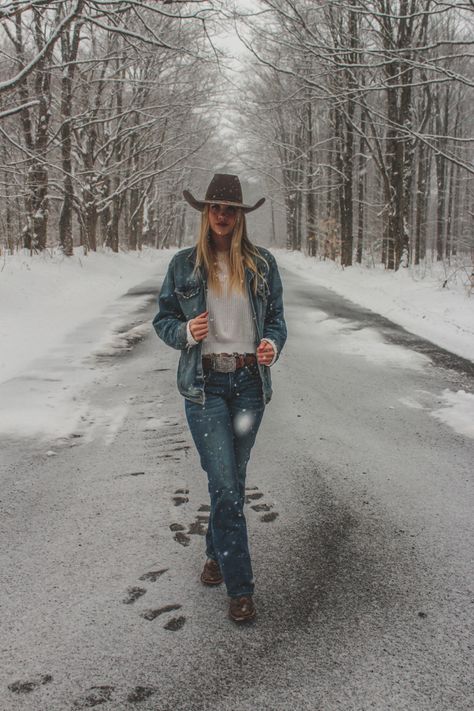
point(359, 117)
point(102, 105)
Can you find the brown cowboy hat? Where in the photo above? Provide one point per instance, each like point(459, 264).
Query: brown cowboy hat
point(223, 190)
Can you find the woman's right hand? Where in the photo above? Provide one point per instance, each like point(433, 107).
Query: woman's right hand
point(199, 326)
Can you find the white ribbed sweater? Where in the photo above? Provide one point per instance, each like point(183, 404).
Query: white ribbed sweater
point(231, 324)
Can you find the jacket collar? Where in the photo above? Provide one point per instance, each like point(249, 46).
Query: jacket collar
point(192, 255)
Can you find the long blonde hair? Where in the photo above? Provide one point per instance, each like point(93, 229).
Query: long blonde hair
point(243, 254)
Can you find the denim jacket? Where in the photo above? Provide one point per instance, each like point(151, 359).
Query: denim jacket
point(183, 296)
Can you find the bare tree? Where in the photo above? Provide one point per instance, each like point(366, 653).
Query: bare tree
point(110, 96)
point(382, 71)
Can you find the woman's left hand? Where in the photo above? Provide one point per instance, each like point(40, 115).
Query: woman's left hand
point(265, 353)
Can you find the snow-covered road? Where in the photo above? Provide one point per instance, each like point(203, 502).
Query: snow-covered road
point(360, 516)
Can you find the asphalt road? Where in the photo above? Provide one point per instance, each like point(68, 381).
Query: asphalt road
point(362, 544)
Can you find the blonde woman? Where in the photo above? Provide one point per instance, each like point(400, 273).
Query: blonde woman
point(221, 306)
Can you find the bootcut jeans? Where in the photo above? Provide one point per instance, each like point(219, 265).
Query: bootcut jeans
point(224, 429)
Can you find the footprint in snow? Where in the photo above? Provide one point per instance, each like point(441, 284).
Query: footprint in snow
point(26, 686)
point(140, 693)
point(182, 538)
point(175, 624)
point(255, 495)
point(261, 507)
point(121, 476)
point(133, 594)
point(178, 500)
point(151, 615)
point(267, 517)
point(94, 696)
point(198, 527)
point(252, 497)
point(177, 527)
point(153, 575)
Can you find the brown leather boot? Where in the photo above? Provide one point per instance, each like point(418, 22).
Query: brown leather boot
point(211, 573)
point(242, 609)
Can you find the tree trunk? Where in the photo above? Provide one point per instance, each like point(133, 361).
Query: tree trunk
point(69, 50)
point(37, 182)
point(291, 218)
point(181, 227)
point(344, 164)
point(440, 204)
point(361, 190)
point(441, 122)
point(457, 211)
point(134, 220)
point(273, 232)
point(421, 204)
point(311, 241)
point(450, 195)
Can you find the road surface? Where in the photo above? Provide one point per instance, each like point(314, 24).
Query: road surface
point(361, 529)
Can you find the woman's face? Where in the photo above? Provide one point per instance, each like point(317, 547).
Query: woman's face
point(222, 219)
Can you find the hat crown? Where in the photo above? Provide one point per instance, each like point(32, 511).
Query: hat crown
point(224, 188)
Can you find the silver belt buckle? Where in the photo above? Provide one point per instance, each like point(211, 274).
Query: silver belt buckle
point(223, 363)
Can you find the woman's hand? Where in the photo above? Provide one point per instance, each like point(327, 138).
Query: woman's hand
point(265, 353)
point(199, 326)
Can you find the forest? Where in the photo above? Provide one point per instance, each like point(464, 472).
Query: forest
point(354, 117)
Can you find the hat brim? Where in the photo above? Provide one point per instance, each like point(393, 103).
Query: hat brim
point(200, 204)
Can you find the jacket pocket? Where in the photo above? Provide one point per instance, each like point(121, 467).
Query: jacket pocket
point(187, 292)
point(190, 297)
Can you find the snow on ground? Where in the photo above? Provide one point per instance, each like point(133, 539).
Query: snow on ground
point(366, 343)
point(458, 412)
point(56, 315)
point(57, 312)
point(415, 300)
point(45, 297)
point(412, 298)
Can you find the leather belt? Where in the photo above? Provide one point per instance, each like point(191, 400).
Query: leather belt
point(227, 362)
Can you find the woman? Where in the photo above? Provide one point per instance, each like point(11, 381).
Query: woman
point(221, 306)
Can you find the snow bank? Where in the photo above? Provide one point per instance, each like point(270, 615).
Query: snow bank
point(414, 299)
point(45, 297)
point(458, 412)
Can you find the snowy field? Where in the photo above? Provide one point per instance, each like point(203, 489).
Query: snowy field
point(55, 312)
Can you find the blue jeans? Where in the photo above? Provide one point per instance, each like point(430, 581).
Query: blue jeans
point(224, 431)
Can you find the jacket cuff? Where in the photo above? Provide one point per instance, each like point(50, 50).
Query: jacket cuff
point(275, 350)
point(191, 341)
